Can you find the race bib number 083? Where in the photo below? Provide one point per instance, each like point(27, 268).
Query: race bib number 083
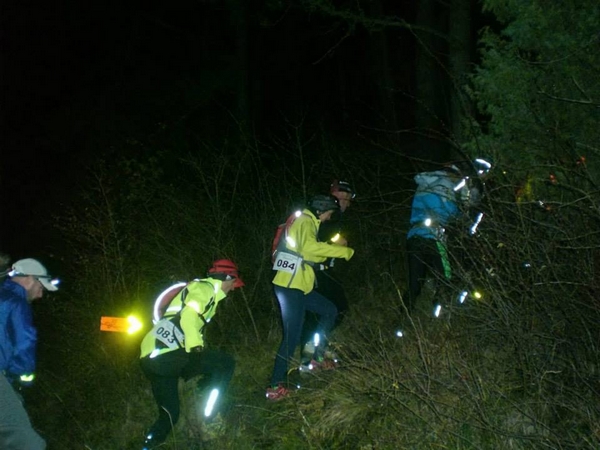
point(286, 262)
point(167, 333)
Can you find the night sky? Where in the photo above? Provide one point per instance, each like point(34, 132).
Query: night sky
point(78, 77)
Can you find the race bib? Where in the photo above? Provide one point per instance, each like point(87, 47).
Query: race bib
point(166, 332)
point(286, 262)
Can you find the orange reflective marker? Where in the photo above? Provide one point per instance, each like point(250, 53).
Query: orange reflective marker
point(116, 324)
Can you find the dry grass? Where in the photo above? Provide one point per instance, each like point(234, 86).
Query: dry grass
point(516, 369)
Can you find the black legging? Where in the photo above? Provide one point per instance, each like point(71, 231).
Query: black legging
point(423, 256)
point(164, 372)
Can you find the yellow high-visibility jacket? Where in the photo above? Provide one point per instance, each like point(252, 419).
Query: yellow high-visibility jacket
point(201, 301)
point(304, 233)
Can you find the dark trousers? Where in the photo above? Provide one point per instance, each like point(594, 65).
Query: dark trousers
point(332, 290)
point(294, 304)
point(16, 432)
point(423, 257)
point(164, 372)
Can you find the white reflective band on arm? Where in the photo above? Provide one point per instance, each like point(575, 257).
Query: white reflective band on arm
point(460, 185)
point(476, 224)
point(173, 309)
point(194, 305)
point(290, 241)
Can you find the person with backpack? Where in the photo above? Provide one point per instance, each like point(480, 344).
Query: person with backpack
point(441, 199)
point(327, 284)
point(298, 255)
point(175, 348)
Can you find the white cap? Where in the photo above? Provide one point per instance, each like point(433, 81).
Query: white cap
point(33, 267)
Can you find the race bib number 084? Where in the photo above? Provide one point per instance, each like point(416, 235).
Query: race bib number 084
point(286, 262)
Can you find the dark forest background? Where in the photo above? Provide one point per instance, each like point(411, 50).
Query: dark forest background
point(139, 143)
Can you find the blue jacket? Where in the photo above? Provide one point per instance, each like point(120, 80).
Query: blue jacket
point(18, 336)
point(435, 204)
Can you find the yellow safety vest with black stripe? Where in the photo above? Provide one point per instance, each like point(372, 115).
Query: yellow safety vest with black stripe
point(301, 239)
point(184, 320)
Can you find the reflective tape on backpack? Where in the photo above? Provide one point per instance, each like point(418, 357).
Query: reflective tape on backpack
point(164, 300)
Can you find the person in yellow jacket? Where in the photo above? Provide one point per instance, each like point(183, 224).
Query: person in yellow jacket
point(295, 263)
point(174, 348)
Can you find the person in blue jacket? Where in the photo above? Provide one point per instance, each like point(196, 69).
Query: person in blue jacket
point(24, 282)
point(442, 198)
point(434, 207)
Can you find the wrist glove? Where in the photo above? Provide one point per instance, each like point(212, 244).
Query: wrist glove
point(351, 253)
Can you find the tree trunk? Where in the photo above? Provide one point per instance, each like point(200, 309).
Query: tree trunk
point(460, 55)
point(431, 145)
point(239, 25)
point(382, 73)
